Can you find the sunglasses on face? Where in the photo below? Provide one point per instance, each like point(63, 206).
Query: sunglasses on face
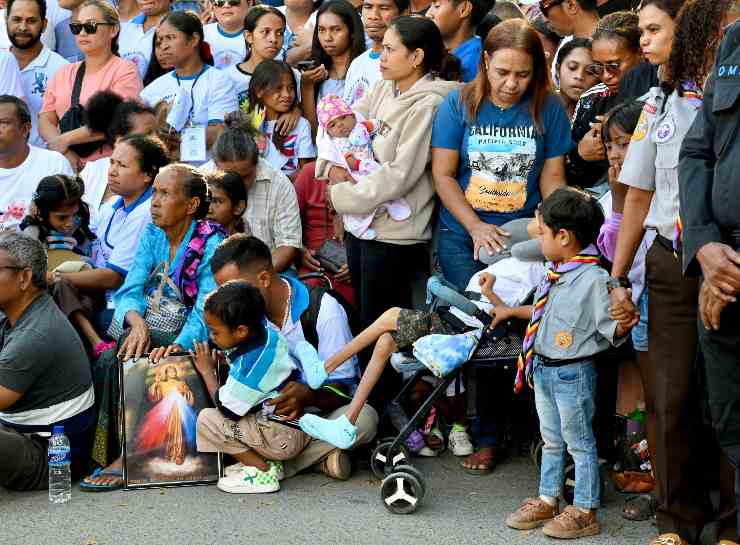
point(547, 4)
point(598, 69)
point(90, 27)
point(224, 3)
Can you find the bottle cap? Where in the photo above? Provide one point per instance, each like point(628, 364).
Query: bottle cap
point(57, 430)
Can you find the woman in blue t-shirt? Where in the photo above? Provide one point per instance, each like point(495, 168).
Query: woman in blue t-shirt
point(498, 149)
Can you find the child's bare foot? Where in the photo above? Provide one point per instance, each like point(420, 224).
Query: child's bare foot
point(480, 462)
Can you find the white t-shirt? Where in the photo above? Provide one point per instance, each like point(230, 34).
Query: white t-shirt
point(227, 49)
point(211, 91)
point(136, 45)
point(10, 76)
point(361, 75)
point(95, 176)
point(18, 184)
point(289, 33)
point(119, 229)
point(34, 78)
point(240, 80)
point(297, 145)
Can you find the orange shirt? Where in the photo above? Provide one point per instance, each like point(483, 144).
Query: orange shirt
point(118, 75)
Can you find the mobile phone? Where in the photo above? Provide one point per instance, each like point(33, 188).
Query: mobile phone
point(305, 65)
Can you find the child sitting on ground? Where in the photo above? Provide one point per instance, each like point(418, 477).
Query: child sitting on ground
point(568, 325)
point(346, 141)
point(260, 364)
point(61, 220)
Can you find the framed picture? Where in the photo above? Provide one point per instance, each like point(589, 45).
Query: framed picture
point(161, 404)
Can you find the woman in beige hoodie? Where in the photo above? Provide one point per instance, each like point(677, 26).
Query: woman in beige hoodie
point(416, 68)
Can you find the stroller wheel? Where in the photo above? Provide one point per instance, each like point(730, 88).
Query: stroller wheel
point(411, 470)
point(401, 493)
point(535, 453)
point(383, 460)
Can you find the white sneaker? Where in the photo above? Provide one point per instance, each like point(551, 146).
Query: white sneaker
point(276, 466)
point(250, 480)
point(459, 442)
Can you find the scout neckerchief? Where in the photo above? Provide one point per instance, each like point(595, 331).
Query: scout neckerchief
point(589, 255)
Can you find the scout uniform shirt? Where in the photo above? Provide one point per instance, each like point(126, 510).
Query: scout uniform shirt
point(576, 322)
point(651, 163)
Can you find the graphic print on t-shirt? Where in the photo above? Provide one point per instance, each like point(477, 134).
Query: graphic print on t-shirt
point(500, 159)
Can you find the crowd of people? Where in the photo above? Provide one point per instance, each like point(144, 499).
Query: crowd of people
point(272, 185)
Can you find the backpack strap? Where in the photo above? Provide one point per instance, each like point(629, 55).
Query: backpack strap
point(77, 89)
point(310, 316)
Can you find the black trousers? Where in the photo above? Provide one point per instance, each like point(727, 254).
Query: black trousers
point(687, 457)
point(721, 350)
point(382, 278)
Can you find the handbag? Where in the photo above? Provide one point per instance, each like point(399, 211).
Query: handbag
point(74, 118)
point(163, 314)
point(332, 255)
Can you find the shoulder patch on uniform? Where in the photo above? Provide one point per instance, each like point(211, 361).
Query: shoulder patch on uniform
point(641, 128)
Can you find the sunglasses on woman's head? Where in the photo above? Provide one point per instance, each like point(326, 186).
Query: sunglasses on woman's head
point(224, 3)
point(598, 69)
point(91, 27)
point(547, 4)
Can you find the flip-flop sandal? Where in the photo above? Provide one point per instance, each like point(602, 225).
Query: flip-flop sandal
point(87, 486)
point(639, 508)
point(490, 464)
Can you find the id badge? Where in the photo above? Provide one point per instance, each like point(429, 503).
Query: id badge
point(193, 144)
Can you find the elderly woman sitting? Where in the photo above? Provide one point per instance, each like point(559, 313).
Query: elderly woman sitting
point(175, 249)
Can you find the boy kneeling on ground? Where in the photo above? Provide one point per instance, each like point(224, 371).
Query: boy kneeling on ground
point(260, 364)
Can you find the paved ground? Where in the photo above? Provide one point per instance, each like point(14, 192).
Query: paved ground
point(311, 509)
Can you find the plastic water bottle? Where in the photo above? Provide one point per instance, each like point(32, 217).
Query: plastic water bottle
point(60, 458)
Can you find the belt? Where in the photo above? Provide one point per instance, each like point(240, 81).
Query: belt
point(550, 362)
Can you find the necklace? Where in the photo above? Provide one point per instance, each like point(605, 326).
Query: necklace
point(287, 306)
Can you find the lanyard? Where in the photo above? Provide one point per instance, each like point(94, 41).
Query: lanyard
point(192, 89)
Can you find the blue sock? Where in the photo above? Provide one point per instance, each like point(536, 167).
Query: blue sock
point(339, 432)
point(311, 364)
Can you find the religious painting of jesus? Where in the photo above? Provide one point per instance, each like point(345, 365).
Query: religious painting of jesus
point(161, 405)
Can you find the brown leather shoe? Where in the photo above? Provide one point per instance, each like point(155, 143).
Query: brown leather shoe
point(336, 465)
point(572, 523)
point(533, 513)
point(669, 539)
point(727, 542)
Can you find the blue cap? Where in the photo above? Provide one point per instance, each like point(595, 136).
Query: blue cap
point(57, 430)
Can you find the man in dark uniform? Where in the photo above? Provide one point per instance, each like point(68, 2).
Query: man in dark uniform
point(710, 212)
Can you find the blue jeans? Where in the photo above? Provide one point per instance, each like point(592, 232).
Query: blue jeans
point(565, 405)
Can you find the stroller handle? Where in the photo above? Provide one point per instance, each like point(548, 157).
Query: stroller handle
point(441, 290)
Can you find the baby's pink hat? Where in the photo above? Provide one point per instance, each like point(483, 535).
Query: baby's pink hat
point(331, 107)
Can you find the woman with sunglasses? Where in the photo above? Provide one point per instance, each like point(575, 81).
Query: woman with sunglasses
point(226, 35)
point(136, 41)
point(96, 30)
point(683, 44)
point(199, 95)
point(615, 49)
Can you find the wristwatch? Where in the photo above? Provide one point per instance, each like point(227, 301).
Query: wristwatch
point(621, 282)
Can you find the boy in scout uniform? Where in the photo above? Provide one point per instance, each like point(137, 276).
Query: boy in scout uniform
point(569, 325)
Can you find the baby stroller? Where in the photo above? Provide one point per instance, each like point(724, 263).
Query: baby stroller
point(403, 485)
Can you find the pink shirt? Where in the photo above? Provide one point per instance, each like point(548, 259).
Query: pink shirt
point(118, 75)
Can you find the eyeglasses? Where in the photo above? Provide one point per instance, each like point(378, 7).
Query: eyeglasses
point(597, 69)
point(224, 3)
point(547, 4)
point(91, 27)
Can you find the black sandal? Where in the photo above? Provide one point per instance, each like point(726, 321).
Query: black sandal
point(640, 508)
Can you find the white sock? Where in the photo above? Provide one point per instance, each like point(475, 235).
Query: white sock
point(549, 500)
point(582, 510)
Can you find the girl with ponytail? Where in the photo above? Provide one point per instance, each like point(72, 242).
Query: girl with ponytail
point(498, 149)
point(200, 95)
point(418, 73)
